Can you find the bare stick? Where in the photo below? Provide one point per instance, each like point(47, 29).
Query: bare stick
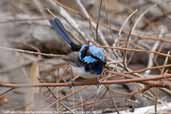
point(123, 81)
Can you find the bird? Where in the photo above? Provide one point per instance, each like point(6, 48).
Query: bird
point(88, 61)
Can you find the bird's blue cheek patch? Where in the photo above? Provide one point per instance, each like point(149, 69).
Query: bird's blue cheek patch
point(89, 59)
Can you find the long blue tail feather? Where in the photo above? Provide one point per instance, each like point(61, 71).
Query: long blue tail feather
point(59, 28)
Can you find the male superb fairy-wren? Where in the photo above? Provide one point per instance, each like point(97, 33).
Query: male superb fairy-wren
point(88, 61)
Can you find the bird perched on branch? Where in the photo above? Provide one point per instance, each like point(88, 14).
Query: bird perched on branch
point(88, 60)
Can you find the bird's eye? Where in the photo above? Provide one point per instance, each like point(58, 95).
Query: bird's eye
point(84, 52)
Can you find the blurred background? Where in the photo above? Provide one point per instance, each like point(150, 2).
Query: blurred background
point(24, 27)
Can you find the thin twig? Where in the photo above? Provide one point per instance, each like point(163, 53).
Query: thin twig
point(154, 48)
point(30, 52)
point(126, 20)
point(113, 101)
point(98, 20)
point(137, 50)
point(7, 91)
point(150, 68)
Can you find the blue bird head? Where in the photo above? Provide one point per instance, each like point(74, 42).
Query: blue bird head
point(93, 57)
point(91, 53)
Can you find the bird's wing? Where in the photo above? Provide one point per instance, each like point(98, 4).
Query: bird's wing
point(73, 58)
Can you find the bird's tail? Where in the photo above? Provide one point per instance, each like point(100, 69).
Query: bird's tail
point(59, 28)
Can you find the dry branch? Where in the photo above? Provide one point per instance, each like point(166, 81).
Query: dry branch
point(165, 84)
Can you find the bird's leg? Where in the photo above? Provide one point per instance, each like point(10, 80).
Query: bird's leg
point(98, 82)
